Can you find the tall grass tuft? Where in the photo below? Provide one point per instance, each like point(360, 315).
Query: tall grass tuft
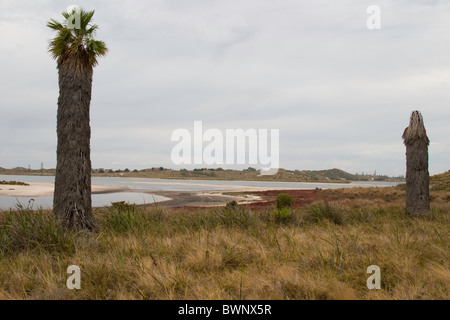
point(283, 215)
point(324, 211)
point(236, 216)
point(24, 229)
point(120, 218)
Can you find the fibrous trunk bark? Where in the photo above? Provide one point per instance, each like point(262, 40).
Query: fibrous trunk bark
point(417, 176)
point(72, 205)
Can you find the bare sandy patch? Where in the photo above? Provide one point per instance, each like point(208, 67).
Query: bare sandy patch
point(43, 189)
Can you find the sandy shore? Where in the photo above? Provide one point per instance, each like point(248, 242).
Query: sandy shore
point(42, 189)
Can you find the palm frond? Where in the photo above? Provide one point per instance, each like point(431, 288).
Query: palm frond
point(95, 48)
point(86, 18)
point(92, 29)
point(54, 24)
point(69, 40)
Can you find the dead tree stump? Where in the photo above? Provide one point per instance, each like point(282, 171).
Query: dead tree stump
point(417, 176)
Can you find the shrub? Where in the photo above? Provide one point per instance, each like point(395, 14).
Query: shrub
point(284, 200)
point(231, 205)
point(17, 183)
point(283, 215)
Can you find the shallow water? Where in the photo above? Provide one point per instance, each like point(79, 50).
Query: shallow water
point(98, 200)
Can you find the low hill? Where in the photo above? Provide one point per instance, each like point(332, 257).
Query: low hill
point(250, 174)
point(440, 182)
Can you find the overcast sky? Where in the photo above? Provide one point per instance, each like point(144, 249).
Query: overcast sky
point(340, 94)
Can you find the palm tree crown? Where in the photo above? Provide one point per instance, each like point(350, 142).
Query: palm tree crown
point(76, 41)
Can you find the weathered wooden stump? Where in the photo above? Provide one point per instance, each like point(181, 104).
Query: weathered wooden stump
point(417, 176)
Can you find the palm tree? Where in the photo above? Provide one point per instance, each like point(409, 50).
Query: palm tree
point(76, 53)
point(417, 177)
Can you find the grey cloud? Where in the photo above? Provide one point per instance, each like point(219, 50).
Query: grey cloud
point(340, 94)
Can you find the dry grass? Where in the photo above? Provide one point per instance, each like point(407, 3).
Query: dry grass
point(158, 253)
point(440, 182)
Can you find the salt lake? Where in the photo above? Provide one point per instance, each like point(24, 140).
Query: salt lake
point(138, 190)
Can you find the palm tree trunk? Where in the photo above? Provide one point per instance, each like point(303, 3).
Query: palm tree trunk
point(417, 176)
point(72, 197)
